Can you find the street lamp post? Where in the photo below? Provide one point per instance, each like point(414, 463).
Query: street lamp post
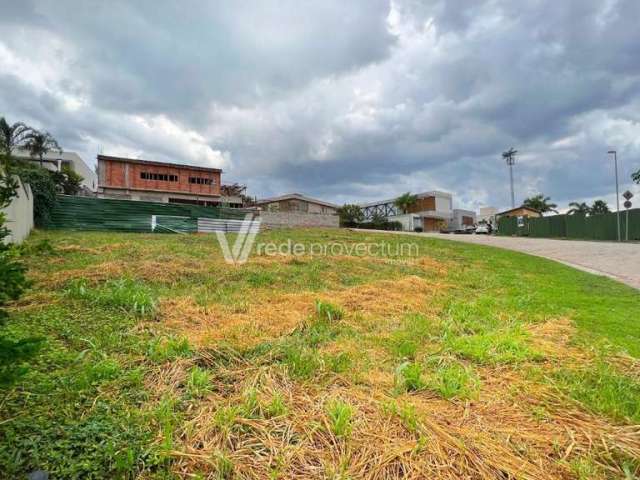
point(615, 161)
point(510, 157)
point(627, 205)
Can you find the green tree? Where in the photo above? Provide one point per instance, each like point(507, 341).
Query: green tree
point(580, 208)
point(12, 136)
point(44, 189)
point(540, 203)
point(350, 215)
point(67, 180)
point(405, 201)
point(13, 353)
point(40, 143)
point(636, 177)
point(599, 207)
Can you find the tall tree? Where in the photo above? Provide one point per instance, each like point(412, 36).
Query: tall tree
point(636, 177)
point(541, 203)
point(12, 136)
point(405, 201)
point(580, 208)
point(40, 143)
point(350, 215)
point(599, 207)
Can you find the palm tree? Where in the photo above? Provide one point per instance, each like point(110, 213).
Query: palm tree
point(540, 203)
point(636, 177)
point(12, 135)
point(580, 208)
point(40, 143)
point(405, 201)
point(599, 207)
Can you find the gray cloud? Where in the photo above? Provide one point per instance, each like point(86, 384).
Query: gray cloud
point(343, 100)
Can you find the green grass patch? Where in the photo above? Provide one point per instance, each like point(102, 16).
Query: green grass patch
point(603, 390)
point(510, 345)
point(340, 416)
point(123, 294)
point(452, 379)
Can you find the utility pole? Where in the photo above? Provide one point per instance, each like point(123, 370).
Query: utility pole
point(510, 157)
point(615, 161)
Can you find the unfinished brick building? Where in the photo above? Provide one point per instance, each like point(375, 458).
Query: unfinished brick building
point(134, 179)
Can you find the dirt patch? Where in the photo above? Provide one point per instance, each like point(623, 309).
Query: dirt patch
point(145, 270)
point(267, 316)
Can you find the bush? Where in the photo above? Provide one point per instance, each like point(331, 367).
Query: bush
point(350, 215)
point(381, 225)
point(13, 353)
point(43, 187)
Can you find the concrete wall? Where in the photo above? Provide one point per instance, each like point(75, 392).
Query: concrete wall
point(290, 219)
point(19, 215)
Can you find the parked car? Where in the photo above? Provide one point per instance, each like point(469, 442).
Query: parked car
point(467, 229)
point(483, 228)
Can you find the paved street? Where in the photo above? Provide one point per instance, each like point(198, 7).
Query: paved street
point(620, 261)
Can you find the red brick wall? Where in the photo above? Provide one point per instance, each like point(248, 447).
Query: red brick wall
point(127, 175)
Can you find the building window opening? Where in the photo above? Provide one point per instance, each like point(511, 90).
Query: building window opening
point(201, 181)
point(163, 177)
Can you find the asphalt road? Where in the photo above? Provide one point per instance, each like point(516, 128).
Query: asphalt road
point(620, 261)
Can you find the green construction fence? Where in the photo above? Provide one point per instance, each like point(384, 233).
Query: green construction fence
point(593, 227)
point(89, 213)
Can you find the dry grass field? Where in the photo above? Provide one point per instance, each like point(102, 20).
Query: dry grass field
point(162, 361)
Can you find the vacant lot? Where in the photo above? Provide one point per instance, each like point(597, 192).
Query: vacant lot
point(162, 361)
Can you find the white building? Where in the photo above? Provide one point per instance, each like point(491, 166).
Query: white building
point(431, 212)
point(55, 161)
point(487, 215)
point(461, 219)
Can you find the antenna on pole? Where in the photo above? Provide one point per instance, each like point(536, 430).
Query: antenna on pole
point(510, 157)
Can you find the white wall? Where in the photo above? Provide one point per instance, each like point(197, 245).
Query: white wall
point(444, 204)
point(53, 159)
point(19, 215)
point(409, 221)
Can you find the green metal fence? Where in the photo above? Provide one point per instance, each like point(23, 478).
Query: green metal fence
point(594, 227)
point(88, 213)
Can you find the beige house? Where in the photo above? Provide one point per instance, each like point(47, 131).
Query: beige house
point(297, 203)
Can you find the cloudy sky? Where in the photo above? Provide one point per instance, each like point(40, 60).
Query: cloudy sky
point(347, 101)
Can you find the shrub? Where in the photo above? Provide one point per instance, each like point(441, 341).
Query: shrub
point(350, 215)
point(13, 353)
point(43, 187)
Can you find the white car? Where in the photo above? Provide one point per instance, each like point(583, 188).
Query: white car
point(482, 228)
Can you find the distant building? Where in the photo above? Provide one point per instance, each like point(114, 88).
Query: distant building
point(462, 219)
point(431, 212)
point(487, 215)
point(521, 211)
point(297, 203)
point(54, 161)
point(134, 179)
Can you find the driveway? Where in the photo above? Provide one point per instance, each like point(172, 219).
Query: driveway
point(620, 261)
